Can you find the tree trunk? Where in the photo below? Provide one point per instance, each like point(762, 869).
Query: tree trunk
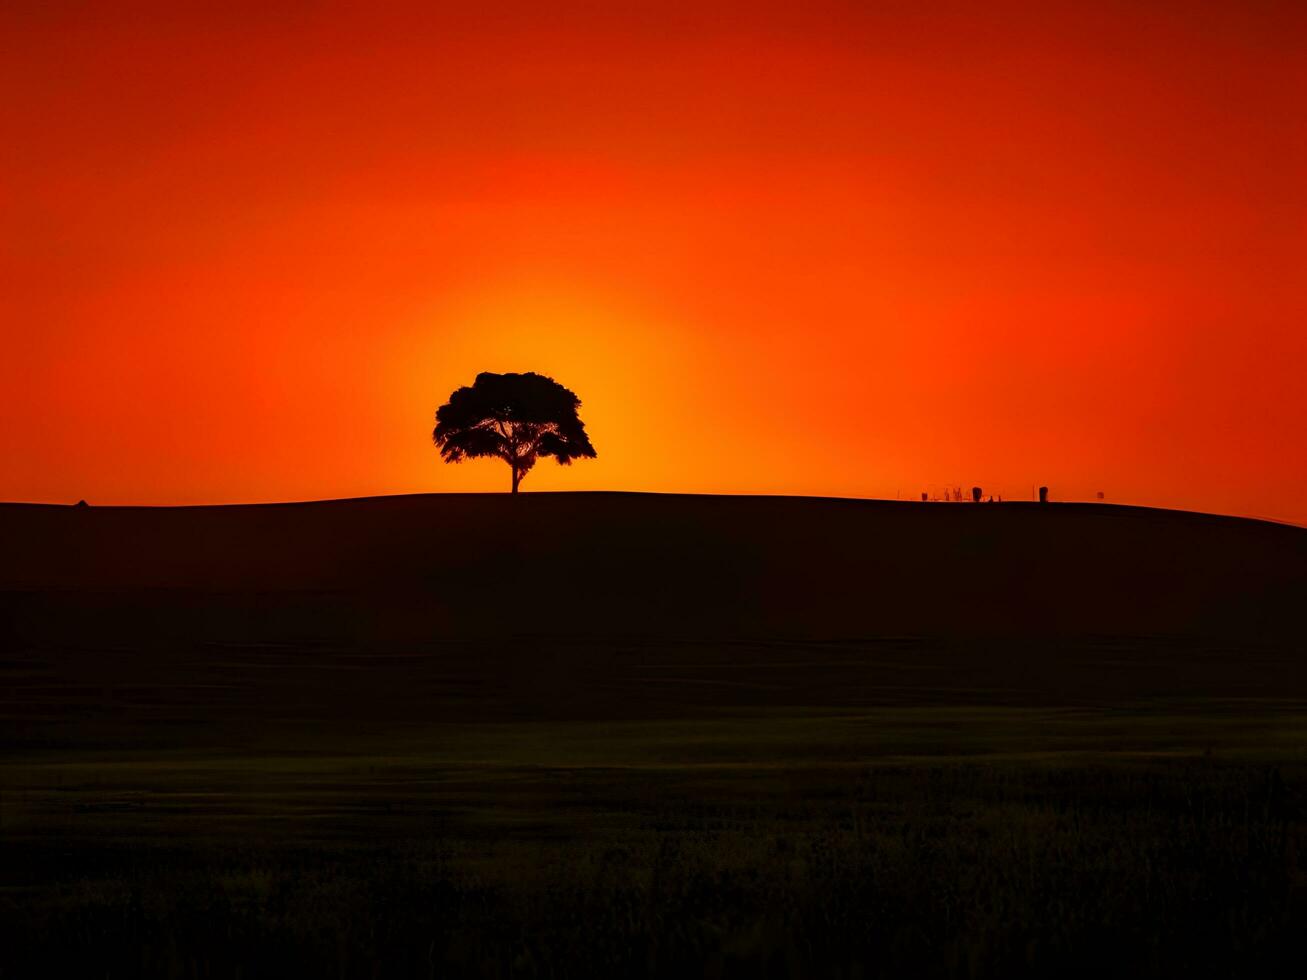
point(517, 478)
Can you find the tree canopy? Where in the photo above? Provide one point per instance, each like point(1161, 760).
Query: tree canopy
point(518, 418)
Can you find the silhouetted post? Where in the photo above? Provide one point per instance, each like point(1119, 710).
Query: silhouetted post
point(975, 495)
point(1043, 495)
point(924, 498)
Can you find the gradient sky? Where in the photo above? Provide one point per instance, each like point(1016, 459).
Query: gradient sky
point(787, 248)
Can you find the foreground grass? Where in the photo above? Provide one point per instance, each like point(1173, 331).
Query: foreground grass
point(1130, 863)
point(265, 814)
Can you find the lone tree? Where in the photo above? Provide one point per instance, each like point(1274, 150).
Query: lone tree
point(516, 417)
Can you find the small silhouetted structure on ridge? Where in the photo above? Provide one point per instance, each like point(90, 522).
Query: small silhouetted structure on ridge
point(975, 495)
point(515, 417)
point(1043, 495)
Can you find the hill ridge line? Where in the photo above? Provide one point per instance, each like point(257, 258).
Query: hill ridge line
point(1083, 505)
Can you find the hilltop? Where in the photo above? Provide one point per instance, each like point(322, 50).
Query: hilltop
point(444, 566)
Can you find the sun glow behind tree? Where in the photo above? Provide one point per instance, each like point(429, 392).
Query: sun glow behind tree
point(818, 248)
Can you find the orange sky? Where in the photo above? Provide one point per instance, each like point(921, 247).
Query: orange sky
point(794, 248)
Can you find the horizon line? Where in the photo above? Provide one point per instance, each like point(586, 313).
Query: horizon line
point(645, 493)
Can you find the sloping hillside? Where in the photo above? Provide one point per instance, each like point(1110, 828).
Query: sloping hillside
point(394, 569)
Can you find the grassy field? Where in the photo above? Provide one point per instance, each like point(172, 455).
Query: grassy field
point(217, 799)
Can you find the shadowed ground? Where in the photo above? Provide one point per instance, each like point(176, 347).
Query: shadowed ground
point(579, 734)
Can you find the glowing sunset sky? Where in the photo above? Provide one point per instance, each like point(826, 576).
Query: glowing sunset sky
point(774, 248)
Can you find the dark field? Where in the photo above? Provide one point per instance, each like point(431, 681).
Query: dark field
point(579, 735)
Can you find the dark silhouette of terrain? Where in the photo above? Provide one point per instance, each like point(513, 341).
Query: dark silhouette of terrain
point(643, 735)
point(414, 568)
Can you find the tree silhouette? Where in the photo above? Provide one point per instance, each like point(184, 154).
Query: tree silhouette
point(516, 417)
